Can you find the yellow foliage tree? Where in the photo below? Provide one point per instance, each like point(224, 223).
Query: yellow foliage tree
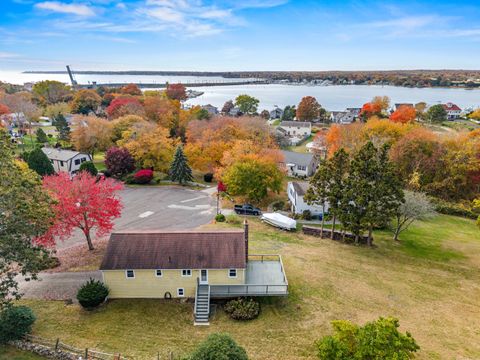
point(91, 133)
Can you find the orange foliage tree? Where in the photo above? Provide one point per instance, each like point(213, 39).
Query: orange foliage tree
point(404, 114)
point(348, 137)
point(308, 109)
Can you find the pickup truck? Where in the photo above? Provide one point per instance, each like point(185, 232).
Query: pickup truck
point(246, 209)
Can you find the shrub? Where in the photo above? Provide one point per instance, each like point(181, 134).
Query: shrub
point(208, 177)
point(457, 209)
point(278, 205)
point(92, 294)
point(219, 218)
point(129, 179)
point(143, 176)
point(119, 161)
point(219, 347)
point(233, 219)
point(89, 167)
point(242, 309)
point(15, 322)
point(378, 339)
point(307, 215)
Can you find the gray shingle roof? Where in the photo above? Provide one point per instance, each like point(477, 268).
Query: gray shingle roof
point(300, 187)
point(151, 249)
point(296, 123)
point(59, 154)
point(292, 157)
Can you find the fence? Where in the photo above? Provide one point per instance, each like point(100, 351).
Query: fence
point(86, 354)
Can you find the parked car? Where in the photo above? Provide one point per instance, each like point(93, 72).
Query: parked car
point(247, 209)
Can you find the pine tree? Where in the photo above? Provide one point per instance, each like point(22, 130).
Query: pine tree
point(338, 170)
point(41, 136)
point(179, 169)
point(62, 128)
point(319, 189)
point(39, 162)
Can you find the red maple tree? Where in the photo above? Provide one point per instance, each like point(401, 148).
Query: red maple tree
point(134, 106)
point(369, 109)
point(83, 202)
point(176, 92)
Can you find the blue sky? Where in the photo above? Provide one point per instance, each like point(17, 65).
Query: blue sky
point(239, 35)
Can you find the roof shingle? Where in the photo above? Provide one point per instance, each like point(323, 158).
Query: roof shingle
point(175, 250)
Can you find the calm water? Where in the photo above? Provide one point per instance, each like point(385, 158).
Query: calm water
point(331, 97)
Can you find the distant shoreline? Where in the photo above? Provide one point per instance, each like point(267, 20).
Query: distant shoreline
point(467, 79)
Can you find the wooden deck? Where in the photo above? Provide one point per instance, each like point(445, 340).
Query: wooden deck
point(265, 276)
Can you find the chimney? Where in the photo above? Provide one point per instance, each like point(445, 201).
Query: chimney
point(245, 235)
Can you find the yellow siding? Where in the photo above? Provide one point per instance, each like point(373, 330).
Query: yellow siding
point(147, 285)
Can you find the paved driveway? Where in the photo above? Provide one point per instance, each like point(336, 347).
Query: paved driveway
point(162, 208)
point(56, 286)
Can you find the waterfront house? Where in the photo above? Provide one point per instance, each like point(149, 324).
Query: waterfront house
point(296, 191)
point(66, 160)
point(295, 131)
point(276, 113)
point(453, 111)
point(355, 111)
point(212, 110)
point(299, 164)
point(189, 264)
point(235, 112)
point(400, 105)
point(342, 117)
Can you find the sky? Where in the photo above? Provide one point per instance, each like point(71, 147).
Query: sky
point(239, 35)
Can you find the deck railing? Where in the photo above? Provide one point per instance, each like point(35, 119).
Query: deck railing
point(228, 290)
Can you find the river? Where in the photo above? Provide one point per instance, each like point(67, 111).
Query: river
point(336, 97)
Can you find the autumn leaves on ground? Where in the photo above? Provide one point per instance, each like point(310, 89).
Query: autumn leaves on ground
point(429, 280)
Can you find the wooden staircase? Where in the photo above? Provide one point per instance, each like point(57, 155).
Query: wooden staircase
point(202, 304)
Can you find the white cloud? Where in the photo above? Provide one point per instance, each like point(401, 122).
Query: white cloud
point(7, 55)
point(65, 8)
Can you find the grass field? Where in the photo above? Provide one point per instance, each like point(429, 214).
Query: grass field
point(430, 281)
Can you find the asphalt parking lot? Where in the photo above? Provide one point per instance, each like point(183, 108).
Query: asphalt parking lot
point(161, 208)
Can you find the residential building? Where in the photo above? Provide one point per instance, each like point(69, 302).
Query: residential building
point(189, 264)
point(453, 111)
point(355, 111)
point(342, 117)
point(299, 164)
point(235, 112)
point(296, 190)
point(295, 131)
point(212, 110)
point(400, 105)
point(276, 113)
point(66, 160)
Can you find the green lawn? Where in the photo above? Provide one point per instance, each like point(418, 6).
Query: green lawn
point(302, 147)
point(430, 281)
point(98, 160)
point(11, 353)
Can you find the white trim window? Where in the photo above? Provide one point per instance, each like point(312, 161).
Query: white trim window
point(180, 292)
point(158, 273)
point(232, 273)
point(186, 272)
point(130, 274)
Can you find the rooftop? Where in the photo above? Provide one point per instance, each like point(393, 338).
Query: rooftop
point(300, 187)
point(175, 250)
point(59, 154)
point(292, 157)
point(296, 123)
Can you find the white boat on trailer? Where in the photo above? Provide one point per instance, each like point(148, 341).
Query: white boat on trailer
point(280, 221)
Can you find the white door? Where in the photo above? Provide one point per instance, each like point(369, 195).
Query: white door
point(203, 276)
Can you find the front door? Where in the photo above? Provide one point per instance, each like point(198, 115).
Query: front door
point(203, 276)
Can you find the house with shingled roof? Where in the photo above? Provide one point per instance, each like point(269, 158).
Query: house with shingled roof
point(189, 264)
point(453, 111)
point(68, 161)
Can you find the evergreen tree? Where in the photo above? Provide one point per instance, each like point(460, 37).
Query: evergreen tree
point(338, 170)
point(89, 167)
point(319, 189)
point(179, 169)
point(41, 136)
point(62, 128)
point(39, 162)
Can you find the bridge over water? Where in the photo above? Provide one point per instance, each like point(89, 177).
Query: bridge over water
point(155, 85)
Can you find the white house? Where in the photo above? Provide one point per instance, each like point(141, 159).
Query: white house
point(212, 110)
point(296, 190)
point(453, 111)
point(296, 131)
point(299, 164)
point(66, 160)
point(276, 113)
point(342, 117)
